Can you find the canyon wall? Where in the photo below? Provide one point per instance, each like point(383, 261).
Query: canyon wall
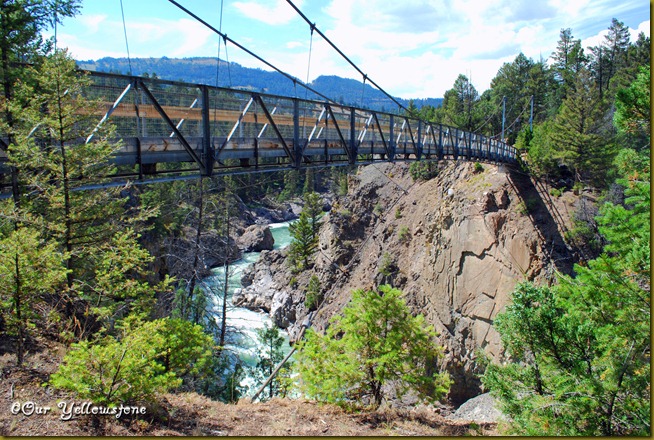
point(456, 245)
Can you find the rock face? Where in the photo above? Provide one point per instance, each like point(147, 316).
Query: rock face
point(256, 238)
point(266, 287)
point(455, 245)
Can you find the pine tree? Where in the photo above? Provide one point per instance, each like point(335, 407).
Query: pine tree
point(270, 355)
point(376, 341)
point(31, 269)
point(313, 208)
point(303, 243)
point(580, 132)
point(580, 350)
point(89, 226)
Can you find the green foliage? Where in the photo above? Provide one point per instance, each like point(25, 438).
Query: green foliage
point(376, 341)
point(555, 192)
point(386, 265)
point(150, 358)
point(30, 268)
point(300, 251)
point(313, 208)
point(398, 213)
point(379, 209)
point(309, 182)
point(478, 168)
point(403, 234)
point(342, 185)
point(580, 349)
point(632, 112)
point(269, 356)
point(304, 233)
point(92, 229)
point(314, 294)
point(119, 278)
point(293, 283)
point(423, 170)
point(291, 186)
point(580, 133)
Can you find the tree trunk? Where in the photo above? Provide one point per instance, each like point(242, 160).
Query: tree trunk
point(196, 256)
point(19, 316)
point(223, 322)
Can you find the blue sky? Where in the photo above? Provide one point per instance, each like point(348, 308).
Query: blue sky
point(412, 48)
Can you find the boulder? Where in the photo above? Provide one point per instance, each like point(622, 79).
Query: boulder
point(480, 409)
point(256, 238)
point(282, 310)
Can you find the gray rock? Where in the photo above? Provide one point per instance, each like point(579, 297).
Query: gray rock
point(256, 238)
point(282, 311)
point(480, 409)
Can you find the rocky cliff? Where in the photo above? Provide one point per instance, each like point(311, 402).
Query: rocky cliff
point(456, 245)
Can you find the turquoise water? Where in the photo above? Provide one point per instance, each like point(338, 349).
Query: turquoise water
point(243, 323)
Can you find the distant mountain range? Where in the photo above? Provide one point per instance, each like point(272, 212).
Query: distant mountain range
point(201, 70)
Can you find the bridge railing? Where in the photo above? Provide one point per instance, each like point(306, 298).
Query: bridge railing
point(209, 130)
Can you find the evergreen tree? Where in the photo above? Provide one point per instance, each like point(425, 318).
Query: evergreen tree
point(580, 133)
point(632, 114)
point(568, 61)
point(375, 342)
point(304, 233)
point(617, 45)
point(303, 243)
point(313, 208)
point(21, 24)
point(581, 349)
point(269, 357)
point(89, 226)
point(314, 295)
point(31, 269)
point(458, 104)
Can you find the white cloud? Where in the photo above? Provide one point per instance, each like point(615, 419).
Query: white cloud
point(93, 22)
point(412, 48)
point(276, 14)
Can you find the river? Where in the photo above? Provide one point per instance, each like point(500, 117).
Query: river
point(243, 323)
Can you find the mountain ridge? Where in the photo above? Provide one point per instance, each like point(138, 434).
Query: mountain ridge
point(203, 70)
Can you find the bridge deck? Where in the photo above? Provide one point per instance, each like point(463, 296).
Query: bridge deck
point(220, 130)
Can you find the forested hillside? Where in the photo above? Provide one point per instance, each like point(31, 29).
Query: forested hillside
point(102, 293)
point(205, 71)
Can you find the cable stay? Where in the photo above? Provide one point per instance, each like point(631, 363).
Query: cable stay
point(249, 52)
point(129, 59)
point(345, 56)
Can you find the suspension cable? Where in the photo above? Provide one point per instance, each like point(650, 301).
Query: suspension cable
point(306, 91)
point(220, 27)
point(249, 52)
point(129, 59)
point(229, 68)
point(345, 56)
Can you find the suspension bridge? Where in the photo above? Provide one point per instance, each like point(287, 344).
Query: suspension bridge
point(174, 130)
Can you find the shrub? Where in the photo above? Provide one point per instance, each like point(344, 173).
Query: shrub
point(423, 170)
point(379, 209)
point(386, 264)
point(375, 341)
point(404, 234)
point(148, 360)
point(293, 283)
point(555, 192)
point(398, 213)
point(314, 293)
point(478, 167)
